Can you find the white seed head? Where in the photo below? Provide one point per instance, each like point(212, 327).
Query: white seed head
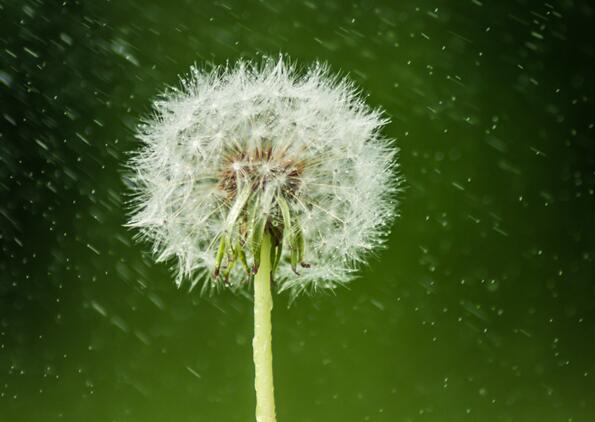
point(252, 147)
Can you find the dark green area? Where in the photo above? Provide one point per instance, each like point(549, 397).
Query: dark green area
point(482, 308)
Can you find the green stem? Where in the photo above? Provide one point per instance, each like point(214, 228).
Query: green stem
point(261, 344)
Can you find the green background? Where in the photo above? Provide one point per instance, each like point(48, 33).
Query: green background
point(482, 308)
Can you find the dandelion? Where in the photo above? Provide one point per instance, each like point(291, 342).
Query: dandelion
point(259, 174)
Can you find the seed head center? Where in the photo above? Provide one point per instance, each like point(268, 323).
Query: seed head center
point(261, 169)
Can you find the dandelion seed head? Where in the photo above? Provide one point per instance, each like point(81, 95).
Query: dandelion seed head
point(295, 150)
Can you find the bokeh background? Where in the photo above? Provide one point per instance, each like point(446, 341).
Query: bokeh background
point(482, 308)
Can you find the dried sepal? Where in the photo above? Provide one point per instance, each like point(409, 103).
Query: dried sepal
point(256, 240)
point(243, 260)
point(220, 254)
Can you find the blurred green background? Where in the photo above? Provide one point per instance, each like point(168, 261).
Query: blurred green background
point(482, 308)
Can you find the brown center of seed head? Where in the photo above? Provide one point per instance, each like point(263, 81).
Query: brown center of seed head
point(260, 168)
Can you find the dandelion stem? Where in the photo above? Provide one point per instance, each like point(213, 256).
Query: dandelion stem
point(261, 344)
